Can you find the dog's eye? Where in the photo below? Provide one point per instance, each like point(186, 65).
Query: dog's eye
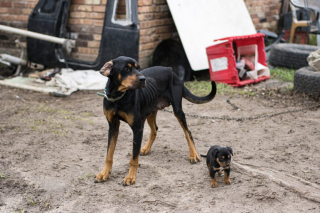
point(126, 69)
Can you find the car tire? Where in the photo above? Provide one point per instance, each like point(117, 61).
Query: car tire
point(170, 53)
point(307, 80)
point(292, 56)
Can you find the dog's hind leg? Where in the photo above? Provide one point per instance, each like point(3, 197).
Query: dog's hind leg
point(176, 90)
point(112, 141)
point(134, 161)
point(153, 127)
point(193, 155)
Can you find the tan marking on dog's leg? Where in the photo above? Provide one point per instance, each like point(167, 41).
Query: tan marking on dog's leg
point(104, 174)
point(109, 114)
point(220, 173)
point(153, 134)
point(193, 155)
point(227, 178)
point(209, 171)
point(127, 117)
point(131, 177)
point(214, 182)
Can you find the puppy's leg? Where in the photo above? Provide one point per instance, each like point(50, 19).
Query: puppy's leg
point(226, 176)
point(213, 177)
point(134, 161)
point(112, 141)
point(153, 127)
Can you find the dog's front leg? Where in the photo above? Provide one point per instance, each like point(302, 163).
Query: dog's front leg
point(134, 161)
point(227, 176)
point(213, 177)
point(112, 141)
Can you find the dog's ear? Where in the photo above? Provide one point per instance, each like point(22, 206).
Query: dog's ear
point(230, 150)
point(215, 153)
point(106, 69)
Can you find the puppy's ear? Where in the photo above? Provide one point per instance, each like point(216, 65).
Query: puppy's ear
point(215, 153)
point(106, 69)
point(230, 150)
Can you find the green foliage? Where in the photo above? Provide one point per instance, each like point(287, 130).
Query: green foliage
point(282, 74)
point(313, 39)
point(202, 88)
point(32, 201)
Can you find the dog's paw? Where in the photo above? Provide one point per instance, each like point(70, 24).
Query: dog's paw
point(129, 181)
point(194, 159)
point(227, 181)
point(102, 176)
point(214, 183)
point(144, 151)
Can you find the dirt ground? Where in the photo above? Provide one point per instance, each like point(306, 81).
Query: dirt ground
point(51, 149)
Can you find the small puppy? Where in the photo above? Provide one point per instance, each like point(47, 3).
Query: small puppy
point(218, 157)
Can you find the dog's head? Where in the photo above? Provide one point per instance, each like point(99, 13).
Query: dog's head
point(125, 72)
point(223, 156)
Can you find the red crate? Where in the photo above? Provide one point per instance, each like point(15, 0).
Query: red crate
point(222, 59)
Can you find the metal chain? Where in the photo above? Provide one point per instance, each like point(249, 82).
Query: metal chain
point(228, 118)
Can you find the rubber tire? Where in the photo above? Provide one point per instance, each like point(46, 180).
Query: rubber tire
point(292, 56)
point(307, 80)
point(170, 53)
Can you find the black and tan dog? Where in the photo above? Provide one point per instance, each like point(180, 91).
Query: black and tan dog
point(133, 96)
point(219, 157)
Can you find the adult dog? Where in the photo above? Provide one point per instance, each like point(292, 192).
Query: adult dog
point(133, 96)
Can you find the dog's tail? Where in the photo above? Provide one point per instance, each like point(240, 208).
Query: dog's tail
point(200, 100)
point(204, 156)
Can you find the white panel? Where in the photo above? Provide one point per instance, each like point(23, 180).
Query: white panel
point(199, 22)
point(219, 64)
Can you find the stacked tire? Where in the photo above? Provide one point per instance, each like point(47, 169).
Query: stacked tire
point(307, 80)
point(291, 56)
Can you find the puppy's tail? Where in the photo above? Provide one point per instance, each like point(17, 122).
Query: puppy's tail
point(204, 156)
point(200, 100)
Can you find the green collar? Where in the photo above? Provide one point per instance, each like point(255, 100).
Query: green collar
point(104, 94)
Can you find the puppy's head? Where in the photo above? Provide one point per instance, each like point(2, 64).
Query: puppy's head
point(223, 156)
point(125, 72)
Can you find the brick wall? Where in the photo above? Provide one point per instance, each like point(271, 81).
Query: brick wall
point(156, 24)
point(264, 13)
point(86, 19)
point(14, 14)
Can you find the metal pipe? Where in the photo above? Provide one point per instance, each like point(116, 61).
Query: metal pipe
point(32, 34)
point(68, 44)
point(13, 59)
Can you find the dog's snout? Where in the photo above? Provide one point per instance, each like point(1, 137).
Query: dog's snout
point(141, 78)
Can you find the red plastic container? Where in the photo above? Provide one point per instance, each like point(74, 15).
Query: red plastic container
point(222, 59)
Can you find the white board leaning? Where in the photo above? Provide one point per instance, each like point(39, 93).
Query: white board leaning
point(199, 22)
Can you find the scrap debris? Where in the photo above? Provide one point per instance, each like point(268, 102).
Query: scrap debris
point(234, 106)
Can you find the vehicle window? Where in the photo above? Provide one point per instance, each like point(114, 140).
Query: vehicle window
point(121, 12)
point(49, 6)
